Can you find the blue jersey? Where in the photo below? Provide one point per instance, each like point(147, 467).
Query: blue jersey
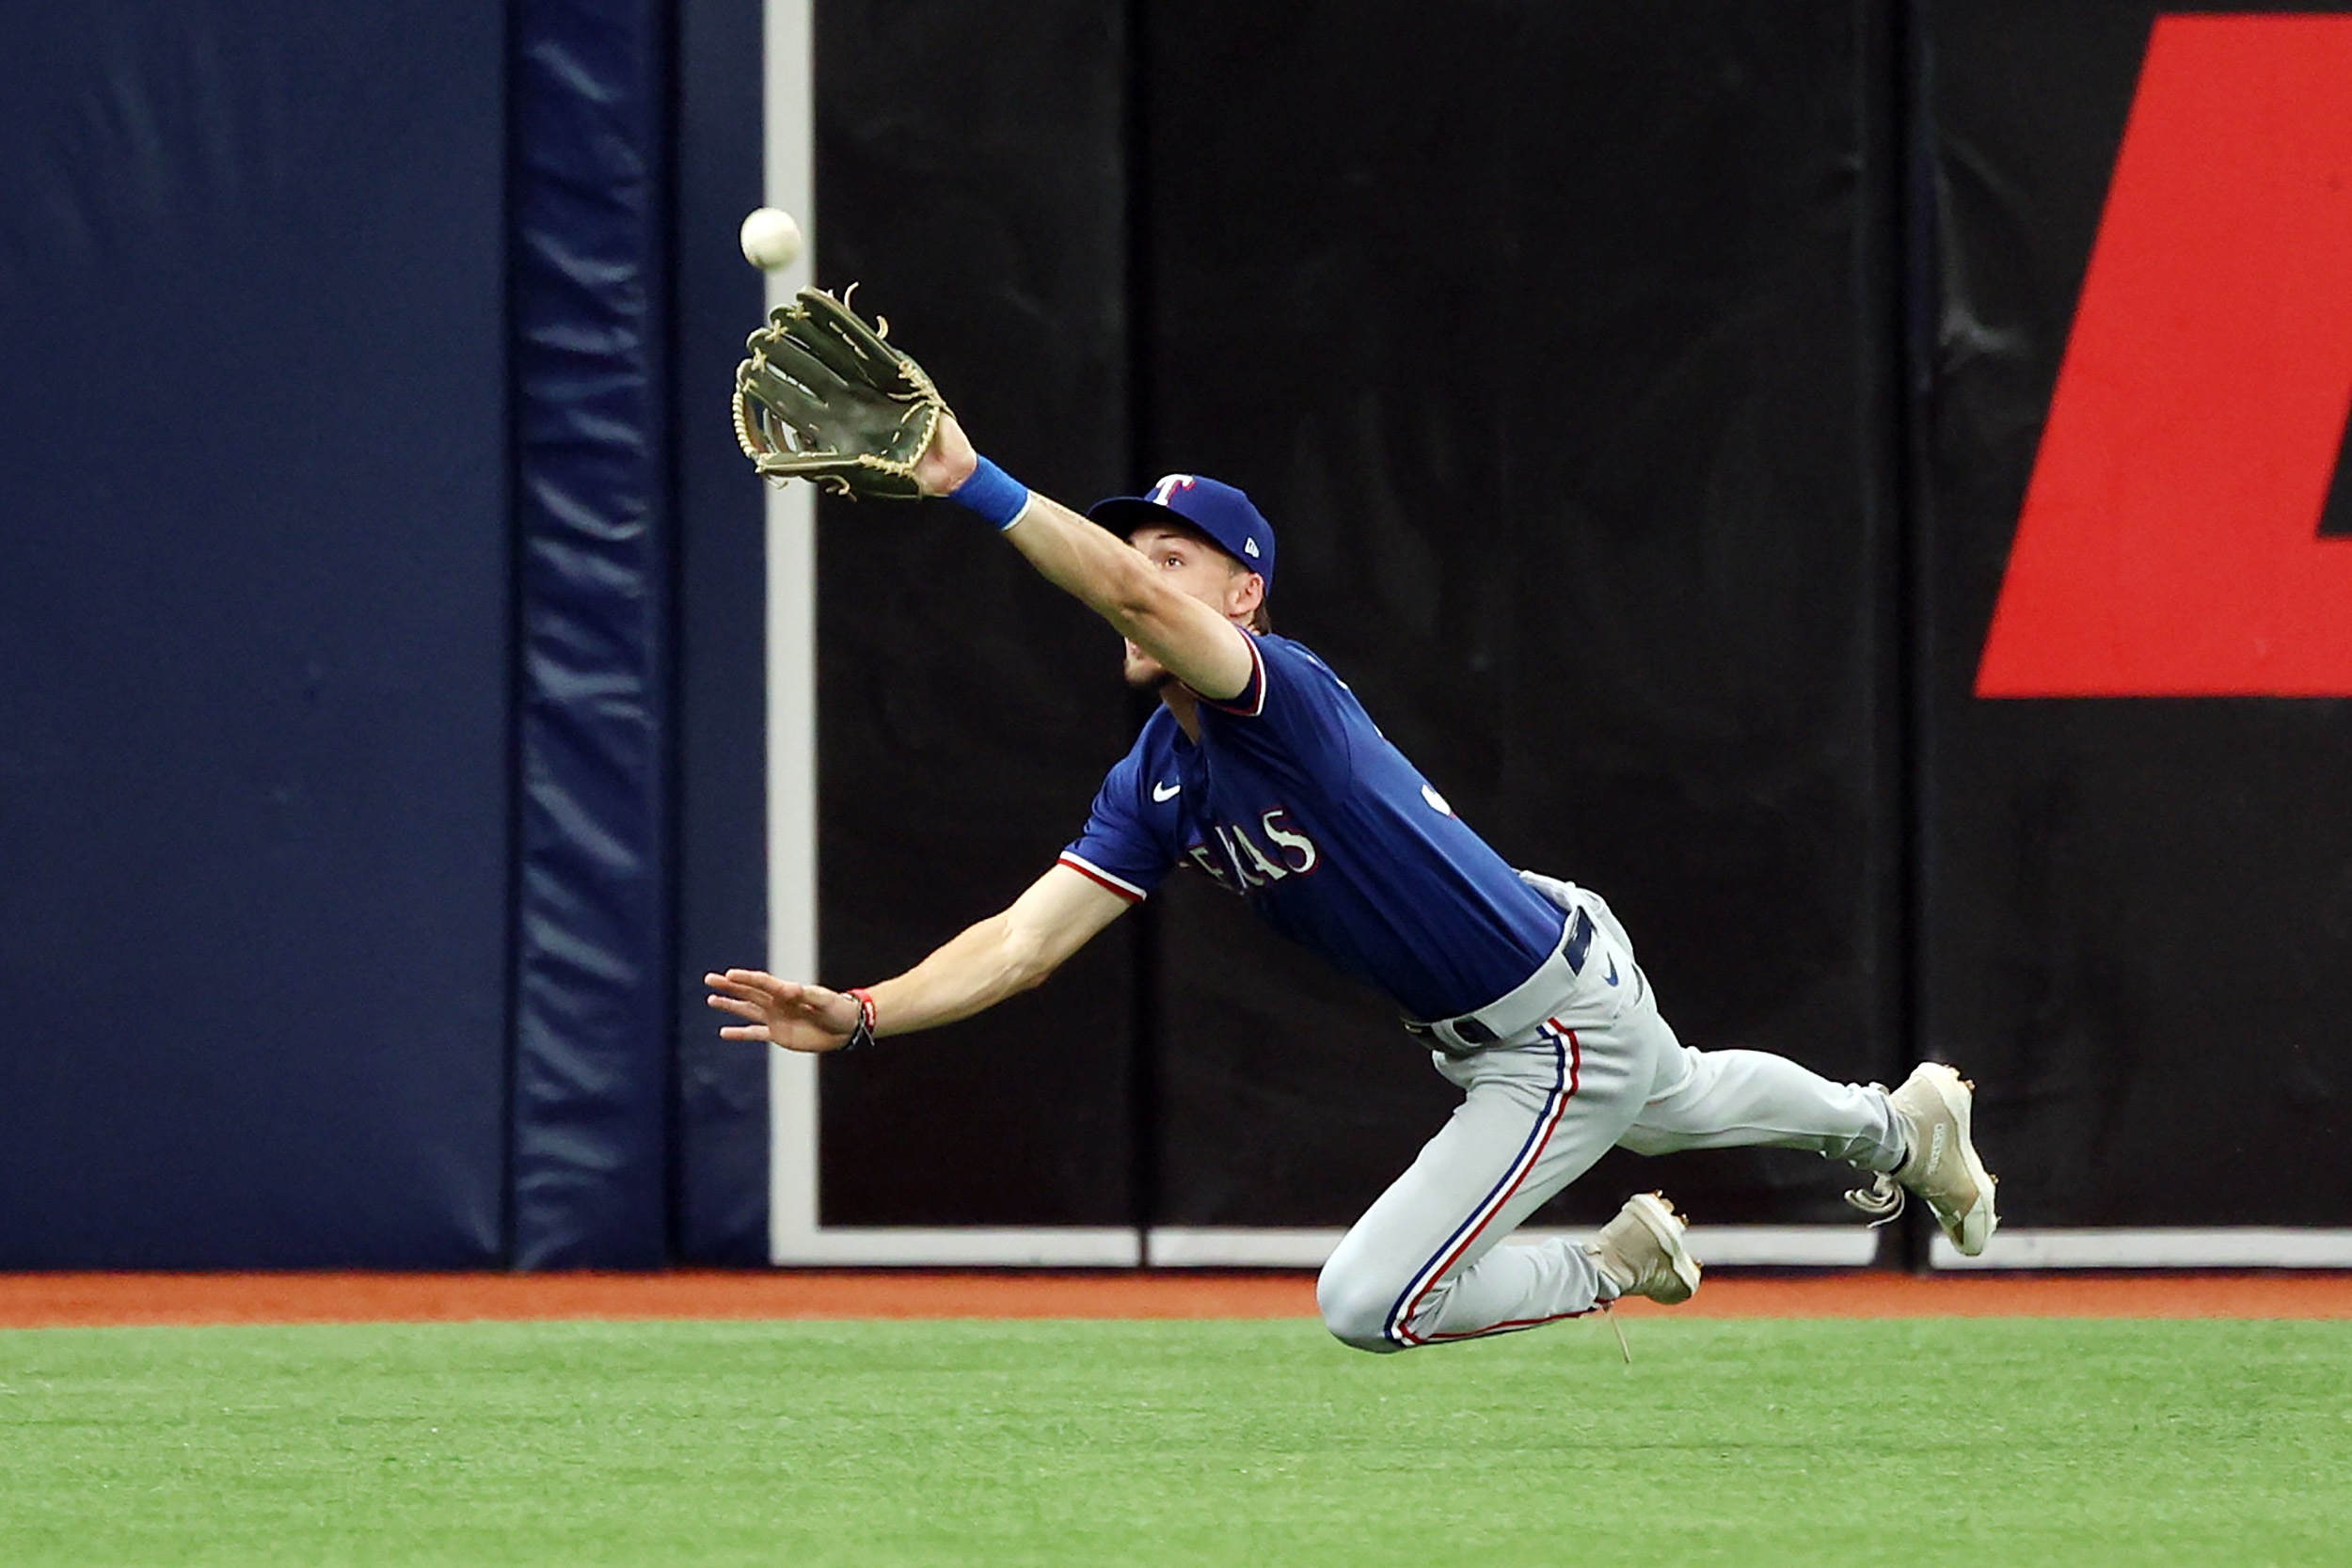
point(1295, 800)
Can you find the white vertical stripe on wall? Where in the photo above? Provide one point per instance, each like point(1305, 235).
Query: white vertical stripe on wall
point(789, 181)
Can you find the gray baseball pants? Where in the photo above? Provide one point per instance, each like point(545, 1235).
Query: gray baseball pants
point(1604, 1070)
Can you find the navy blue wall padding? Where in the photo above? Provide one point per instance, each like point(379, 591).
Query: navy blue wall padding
point(720, 1153)
point(253, 584)
point(592, 1041)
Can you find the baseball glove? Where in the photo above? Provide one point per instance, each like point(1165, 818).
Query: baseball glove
point(823, 398)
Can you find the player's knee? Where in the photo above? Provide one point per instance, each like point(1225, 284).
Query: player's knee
point(1355, 1309)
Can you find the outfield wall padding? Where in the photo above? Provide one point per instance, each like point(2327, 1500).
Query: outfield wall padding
point(253, 636)
point(2137, 908)
point(972, 182)
point(589, 205)
point(1557, 348)
point(718, 791)
point(1581, 489)
point(1649, 404)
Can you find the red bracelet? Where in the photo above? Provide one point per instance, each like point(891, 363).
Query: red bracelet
point(863, 1033)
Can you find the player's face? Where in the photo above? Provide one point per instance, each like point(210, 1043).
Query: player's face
point(1197, 567)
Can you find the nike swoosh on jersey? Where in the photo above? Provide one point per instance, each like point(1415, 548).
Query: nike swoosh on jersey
point(1612, 971)
point(1165, 792)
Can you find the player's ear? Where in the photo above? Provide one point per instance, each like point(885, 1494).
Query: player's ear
point(1245, 596)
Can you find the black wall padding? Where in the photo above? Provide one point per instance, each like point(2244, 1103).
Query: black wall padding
point(970, 181)
point(253, 584)
point(589, 208)
point(1555, 342)
point(2139, 910)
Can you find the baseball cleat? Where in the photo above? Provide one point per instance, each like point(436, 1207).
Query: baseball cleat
point(1935, 1105)
point(1642, 1251)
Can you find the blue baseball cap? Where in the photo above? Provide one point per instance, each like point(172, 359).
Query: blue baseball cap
point(1217, 509)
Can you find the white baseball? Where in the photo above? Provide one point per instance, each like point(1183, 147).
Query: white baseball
point(771, 239)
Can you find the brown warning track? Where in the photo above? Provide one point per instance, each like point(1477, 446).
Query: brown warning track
point(79, 1300)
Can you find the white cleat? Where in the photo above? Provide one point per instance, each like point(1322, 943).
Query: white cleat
point(1935, 1104)
point(1642, 1251)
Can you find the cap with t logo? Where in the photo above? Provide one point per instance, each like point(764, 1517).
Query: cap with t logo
point(1217, 509)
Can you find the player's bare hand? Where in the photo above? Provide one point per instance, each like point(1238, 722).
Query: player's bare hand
point(948, 460)
point(782, 1012)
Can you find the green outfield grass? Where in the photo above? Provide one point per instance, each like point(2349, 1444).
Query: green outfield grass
point(1988, 1442)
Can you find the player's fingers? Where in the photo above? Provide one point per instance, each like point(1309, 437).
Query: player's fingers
point(738, 1006)
point(744, 1031)
point(755, 984)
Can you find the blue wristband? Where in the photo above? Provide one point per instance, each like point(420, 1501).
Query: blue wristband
point(992, 493)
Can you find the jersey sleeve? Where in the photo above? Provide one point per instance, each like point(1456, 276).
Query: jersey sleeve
point(1119, 849)
point(1294, 708)
point(1249, 703)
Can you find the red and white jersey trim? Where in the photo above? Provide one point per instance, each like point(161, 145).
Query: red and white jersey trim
point(1094, 873)
point(1250, 701)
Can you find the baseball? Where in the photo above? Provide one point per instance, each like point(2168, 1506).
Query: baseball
point(771, 239)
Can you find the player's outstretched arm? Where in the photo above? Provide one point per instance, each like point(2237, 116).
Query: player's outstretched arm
point(980, 966)
point(1190, 640)
point(823, 397)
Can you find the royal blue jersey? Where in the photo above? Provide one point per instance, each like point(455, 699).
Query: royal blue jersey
point(1295, 800)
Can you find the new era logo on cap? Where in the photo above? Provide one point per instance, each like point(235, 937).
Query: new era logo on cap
point(1217, 509)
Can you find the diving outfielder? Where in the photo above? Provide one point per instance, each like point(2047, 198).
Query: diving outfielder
point(1262, 771)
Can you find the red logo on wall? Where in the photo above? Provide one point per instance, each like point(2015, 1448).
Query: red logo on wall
point(2171, 542)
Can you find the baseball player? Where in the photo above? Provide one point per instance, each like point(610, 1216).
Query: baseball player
point(1260, 771)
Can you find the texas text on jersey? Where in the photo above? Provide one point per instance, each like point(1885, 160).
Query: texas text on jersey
point(1293, 798)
